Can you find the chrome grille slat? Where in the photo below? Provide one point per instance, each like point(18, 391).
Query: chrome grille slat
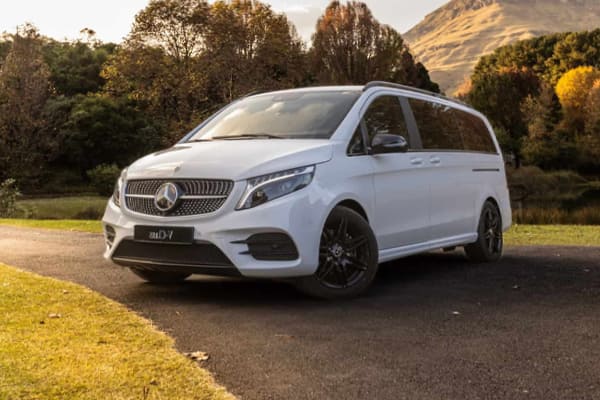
point(199, 196)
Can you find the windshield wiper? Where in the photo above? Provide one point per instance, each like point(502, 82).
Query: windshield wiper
point(249, 136)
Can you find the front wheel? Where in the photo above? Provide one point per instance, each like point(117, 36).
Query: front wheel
point(159, 276)
point(348, 257)
point(489, 244)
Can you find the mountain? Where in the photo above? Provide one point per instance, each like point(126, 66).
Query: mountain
point(450, 40)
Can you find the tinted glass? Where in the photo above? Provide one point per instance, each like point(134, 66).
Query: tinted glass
point(357, 146)
point(291, 115)
point(437, 125)
point(385, 116)
point(475, 134)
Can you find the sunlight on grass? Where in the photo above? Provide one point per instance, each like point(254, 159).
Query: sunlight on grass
point(558, 235)
point(59, 340)
point(67, 225)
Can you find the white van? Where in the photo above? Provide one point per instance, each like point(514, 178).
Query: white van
point(316, 186)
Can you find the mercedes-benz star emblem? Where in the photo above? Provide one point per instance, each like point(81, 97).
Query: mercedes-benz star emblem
point(166, 197)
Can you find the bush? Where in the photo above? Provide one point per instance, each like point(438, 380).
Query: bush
point(8, 198)
point(103, 178)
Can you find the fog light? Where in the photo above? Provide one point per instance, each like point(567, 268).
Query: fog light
point(109, 234)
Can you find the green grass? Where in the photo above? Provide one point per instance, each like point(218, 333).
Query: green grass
point(518, 235)
point(67, 225)
point(76, 207)
point(59, 340)
point(558, 235)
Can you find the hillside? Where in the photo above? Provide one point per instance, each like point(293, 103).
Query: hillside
point(451, 40)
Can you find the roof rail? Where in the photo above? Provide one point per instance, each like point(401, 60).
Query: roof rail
point(410, 89)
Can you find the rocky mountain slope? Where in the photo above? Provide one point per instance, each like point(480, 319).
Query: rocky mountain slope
point(451, 40)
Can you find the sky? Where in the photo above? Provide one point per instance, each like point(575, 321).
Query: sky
point(112, 19)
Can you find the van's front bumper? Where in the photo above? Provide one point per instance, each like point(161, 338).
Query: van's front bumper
point(299, 215)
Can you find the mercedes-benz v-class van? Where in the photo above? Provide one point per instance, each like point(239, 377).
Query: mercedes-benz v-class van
point(315, 186)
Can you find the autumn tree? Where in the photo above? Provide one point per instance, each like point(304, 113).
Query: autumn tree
point(351, 47)
point(24, 89)
point(573, 90)
point(250, 47)
point(185, 58)
point(548, 144)
point(499, 95)
point(159, 65)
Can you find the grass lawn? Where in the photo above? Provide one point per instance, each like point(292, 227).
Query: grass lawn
point(518, 235)
point(76, 207)
point(68, 225)
point(59, 340)
point(558, 235)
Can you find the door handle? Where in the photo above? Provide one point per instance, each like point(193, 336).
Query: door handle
point(435, 160)
point(416, 161)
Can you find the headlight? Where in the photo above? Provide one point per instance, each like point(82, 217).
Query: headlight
point(116, 196)
point(265, 188)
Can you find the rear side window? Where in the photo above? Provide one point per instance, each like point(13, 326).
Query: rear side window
point(436, 125)
point(474, 132)
point(385, 116)
point(446, 128)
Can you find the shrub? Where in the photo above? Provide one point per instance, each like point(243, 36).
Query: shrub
point(103, 178)
point(8, 198)
point(90, 213)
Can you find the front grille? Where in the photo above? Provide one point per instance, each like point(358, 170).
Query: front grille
point(199, 196)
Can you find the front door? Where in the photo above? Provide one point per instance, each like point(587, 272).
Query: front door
point(400, 180)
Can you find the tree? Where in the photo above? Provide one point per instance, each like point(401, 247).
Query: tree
point(351, 47)
point(573, 90)
point(159, 65)
point(588, 143)
point(75, 66)
point(184, 59)
point(250, 47)
point(104, 130)
point(24, 89)
point(499, 95)
point(548, 144)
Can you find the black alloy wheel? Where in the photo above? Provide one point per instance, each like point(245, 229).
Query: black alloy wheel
point(347, 257)
point(490, 243)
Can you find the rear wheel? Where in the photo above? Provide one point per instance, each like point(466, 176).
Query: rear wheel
point(159, 276)
point(490, 243)
point(347, 257)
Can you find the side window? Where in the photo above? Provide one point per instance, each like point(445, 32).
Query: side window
point(475, 134)
point(437, 125)
point(385, 116)
point(357, 146)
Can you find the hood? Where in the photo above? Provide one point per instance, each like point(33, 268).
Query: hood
point(230, 159)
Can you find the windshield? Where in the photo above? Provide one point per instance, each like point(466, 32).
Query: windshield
point(286, 115)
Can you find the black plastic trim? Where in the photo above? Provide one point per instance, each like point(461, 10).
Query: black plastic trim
point(273, 246)
point(198, 258)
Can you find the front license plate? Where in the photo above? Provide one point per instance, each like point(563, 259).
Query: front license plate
point(163, 234)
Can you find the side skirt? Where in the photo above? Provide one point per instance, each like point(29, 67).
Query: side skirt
point(399, 252)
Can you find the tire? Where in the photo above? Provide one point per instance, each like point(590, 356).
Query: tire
point(490, 243)
point(159, 276)
point(348, 257)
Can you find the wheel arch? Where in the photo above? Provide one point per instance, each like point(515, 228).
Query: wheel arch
point(354, 206)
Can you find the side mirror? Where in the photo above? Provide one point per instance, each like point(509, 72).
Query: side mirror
point(385, 143)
